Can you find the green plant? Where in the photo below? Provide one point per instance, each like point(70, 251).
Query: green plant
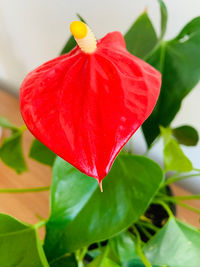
point(114, 228)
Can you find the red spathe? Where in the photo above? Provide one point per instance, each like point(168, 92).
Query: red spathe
point(85, 107)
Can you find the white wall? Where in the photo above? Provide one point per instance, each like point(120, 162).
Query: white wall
point(34, 31)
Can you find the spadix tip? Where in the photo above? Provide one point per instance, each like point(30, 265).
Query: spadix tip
point(78, 29)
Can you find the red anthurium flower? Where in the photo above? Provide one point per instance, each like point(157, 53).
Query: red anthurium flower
point(85, 105)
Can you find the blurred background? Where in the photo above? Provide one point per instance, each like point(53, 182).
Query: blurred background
point(34, 31)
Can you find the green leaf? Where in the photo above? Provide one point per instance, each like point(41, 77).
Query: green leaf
point(138, 263)
point(93, 253)
point(41, 153)
point(106, 262)
point(80, 18)
point(11, 152)
point(71, 43)
point(186, 135)
point(65, 261)
point(81, 214)
point(141, 37)
point(179, 62)
point(7, 124)
point(103, 259)
point(174, 158)
point(133, 263)
point(164, 17)
point(175, 245)
point(124, 246)
point(20, 244)
point(103, 262)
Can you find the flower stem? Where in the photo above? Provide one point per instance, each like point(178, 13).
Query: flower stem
point(139, 249)
point(24, 190)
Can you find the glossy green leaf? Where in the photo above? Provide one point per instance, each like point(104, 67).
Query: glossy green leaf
point(103, 262)
point(80, 17)
point(103, 259)
point(41, 153)
point(20, 244)
point(65, 261)
point(186, 135)
point(174, 158)
point(138, 263)
point(175, 245)
point(141, 37)
point(11, 152)
point(94, 252)
point(81, 214)
point(179, 62)
point(133, 263)
point(164, 17)
point(71, 43)
point(124, 246)
point(5, 123)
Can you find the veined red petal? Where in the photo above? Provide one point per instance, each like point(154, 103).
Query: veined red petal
point(85, 107)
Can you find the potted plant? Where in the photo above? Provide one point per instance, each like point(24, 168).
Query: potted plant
point(132, 222)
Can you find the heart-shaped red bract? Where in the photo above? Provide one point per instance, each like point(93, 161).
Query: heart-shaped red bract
point(85, 107)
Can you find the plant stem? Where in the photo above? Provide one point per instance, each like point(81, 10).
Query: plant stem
point(179, 178)
point(165, 206)
point(150, 226)
point(40, 224)
point(83, 252)
point(80, 264)
point(180, 203)
point(195, 169)
point(105, 253)
point(80, 254)
point(23, 128)
point(187, 197)
point(24, 190)
point(189, 207)
point(144, 230)
point(139, 248)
